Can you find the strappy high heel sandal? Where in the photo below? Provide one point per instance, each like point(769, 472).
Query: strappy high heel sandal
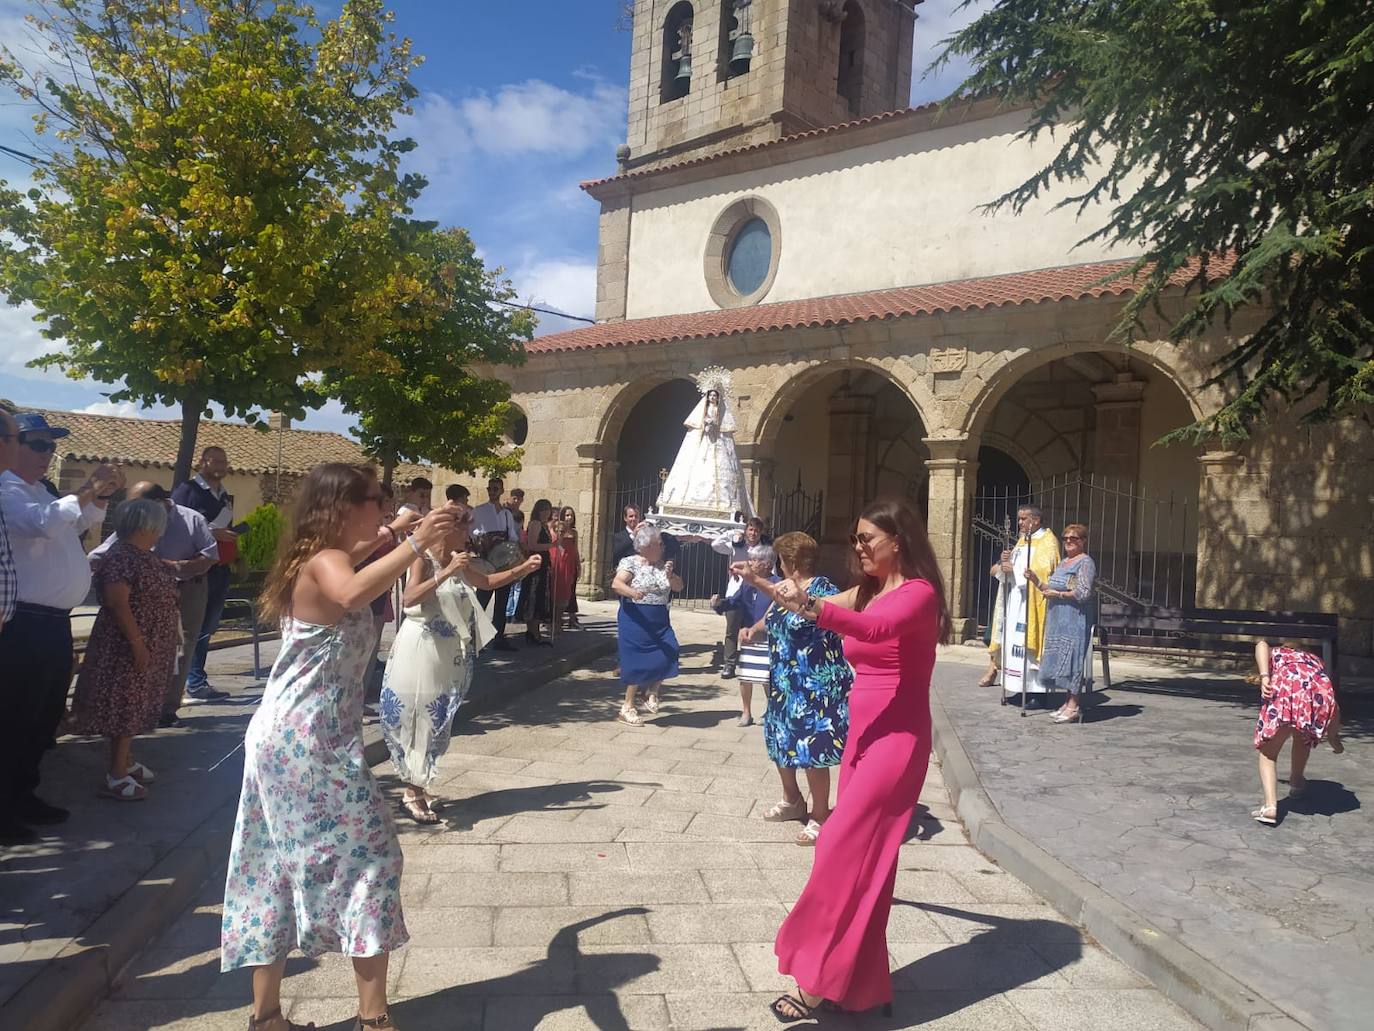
point(269, 1023)
point(418, 808)
point(1267, 815)
point(801, 1010)
point(384, 1021)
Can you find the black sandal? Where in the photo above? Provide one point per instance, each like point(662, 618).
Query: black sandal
point(418, 808)
point(804, 1012)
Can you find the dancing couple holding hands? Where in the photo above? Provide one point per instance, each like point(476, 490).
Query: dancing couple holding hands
point(834, 940)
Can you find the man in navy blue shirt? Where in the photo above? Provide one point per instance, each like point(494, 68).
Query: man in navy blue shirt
point(205, 493)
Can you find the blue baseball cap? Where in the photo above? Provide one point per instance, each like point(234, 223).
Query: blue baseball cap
point(33, 422)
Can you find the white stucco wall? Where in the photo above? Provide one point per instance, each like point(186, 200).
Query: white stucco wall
point(898, 213)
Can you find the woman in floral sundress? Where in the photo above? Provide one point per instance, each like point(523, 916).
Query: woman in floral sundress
point(1297, 702)
point(315, 863)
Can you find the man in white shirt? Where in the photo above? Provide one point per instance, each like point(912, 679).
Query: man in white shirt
point(205, 493)
point(36, 645)
point(493, 517)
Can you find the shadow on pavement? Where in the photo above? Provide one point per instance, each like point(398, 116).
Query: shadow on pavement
point(580, 703)
point(697, 720)
point(1323, 798)
point(460, 814)
point(524, 996)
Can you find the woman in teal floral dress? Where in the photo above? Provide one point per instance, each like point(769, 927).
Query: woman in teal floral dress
point(807, 720)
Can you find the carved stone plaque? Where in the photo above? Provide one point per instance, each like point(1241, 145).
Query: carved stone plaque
point(948, 359)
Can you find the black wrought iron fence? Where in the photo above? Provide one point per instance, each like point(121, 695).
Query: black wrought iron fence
point(1145, 547)
point(797, 511)
point(702, 569)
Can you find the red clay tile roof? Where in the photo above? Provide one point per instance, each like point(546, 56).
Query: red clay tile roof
point(153, 442)
point(1065, 283)
point(591, 185)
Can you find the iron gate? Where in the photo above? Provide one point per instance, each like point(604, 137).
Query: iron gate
point(1145, 547)
point(797, 511)
point(703, 570)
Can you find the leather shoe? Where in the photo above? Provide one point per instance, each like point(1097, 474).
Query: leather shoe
point(12, 833)
point(168, 720)
point(503, 644)
point(34, 810)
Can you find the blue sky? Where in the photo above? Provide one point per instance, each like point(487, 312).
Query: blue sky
point(519, 102)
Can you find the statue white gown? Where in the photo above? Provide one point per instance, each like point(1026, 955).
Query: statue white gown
point(706, 481)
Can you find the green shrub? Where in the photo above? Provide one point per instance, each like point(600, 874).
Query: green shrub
point(258, 547)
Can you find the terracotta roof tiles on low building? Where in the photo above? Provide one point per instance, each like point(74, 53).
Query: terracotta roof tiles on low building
point(153, 443)
point(1065, 283)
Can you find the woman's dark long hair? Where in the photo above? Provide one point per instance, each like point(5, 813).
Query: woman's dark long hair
point(900, 520)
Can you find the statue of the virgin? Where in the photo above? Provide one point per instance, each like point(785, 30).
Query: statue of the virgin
point(706, 481)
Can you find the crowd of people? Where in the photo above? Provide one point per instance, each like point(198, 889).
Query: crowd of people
point(315, 861)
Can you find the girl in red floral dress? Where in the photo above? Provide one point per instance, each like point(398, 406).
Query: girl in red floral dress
point(1298, 702)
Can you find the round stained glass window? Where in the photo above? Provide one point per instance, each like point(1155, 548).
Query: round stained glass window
point(751, 255)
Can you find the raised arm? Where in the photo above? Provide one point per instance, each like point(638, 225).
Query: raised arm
point(913, 606)
point(495, 581)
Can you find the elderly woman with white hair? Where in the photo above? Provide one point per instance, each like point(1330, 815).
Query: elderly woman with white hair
point(133, 646)
point(648, 646)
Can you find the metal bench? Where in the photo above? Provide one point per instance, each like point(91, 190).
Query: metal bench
point(1210, 631)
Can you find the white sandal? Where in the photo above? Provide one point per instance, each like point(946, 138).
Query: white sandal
point(1267, 815)
point(141, 773)
point(125, 789)
point(629, 716)
point(785, 812)
point(651, 704)
point(808, 834)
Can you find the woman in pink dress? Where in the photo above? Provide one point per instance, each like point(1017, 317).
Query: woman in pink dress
point(1298, 703)
point(834, 941)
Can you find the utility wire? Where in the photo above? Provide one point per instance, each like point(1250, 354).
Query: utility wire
point(30, 158)
point(547, 311)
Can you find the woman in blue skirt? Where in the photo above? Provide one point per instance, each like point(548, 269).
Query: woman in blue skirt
point(648, 646)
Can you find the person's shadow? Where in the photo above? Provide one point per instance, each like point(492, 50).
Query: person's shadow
point(462, 813)
point(564, 967)
point(1321, 798)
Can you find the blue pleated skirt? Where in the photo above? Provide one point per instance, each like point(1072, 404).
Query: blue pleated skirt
point(648, 646)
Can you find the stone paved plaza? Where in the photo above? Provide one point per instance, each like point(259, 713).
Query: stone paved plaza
point(589, 874)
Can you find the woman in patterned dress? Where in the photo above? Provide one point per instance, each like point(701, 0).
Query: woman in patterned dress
point(315, 863)
point(1070, 605)
point(566, 565)
point(133, 646)
point(644, 633)
point(1298, 703)
point(807, 719)
point(433, 657)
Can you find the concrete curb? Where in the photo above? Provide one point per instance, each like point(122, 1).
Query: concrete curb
point(1205, 991)
point(71, 984)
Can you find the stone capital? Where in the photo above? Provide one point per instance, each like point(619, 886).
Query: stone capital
point(1220, 462)
point(1124, 389)
point(949, 452)
point(596, 452)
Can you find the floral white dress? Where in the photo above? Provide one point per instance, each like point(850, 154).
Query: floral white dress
point(429, 673)
point(315, 863)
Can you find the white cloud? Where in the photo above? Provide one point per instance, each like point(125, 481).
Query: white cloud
point(936, 21)
point(21, 342)
point(540, 118)
point(565, 285)
point(126, 409)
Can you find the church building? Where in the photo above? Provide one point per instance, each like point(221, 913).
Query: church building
point(780, 210)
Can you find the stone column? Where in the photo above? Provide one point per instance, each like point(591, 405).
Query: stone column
point(953, 477)
point(758, 478)
point(600, 470)
point(852, 476)
point(613, 260)
point(1219, 550)
point(1116, 438)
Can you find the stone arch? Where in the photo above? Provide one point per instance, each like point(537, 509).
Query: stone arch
point(849, 73)
point(622, 402)
point(788, 384)
point(981, 399)
point(677, 53)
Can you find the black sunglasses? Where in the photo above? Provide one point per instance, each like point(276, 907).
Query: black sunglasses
point(43, 447)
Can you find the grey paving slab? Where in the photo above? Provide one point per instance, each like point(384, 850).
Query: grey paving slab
point(1150, 799)
point(560, 895)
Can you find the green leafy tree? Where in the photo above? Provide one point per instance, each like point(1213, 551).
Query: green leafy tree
point(216, 216)
point(1213, 130)
point(412, 392)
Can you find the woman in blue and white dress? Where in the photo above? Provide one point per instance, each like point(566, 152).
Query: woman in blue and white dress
point(648, 647)
point(433, 657)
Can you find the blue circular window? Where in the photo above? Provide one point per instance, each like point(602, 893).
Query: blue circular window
point(750, 257)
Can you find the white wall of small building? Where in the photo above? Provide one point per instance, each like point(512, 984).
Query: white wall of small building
point(901, 212)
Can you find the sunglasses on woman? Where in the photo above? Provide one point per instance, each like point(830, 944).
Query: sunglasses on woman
point(43, 447)
point(867, 540)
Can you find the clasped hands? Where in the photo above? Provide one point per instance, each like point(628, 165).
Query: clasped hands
point(784, 593)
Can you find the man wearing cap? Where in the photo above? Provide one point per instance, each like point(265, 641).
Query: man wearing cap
point(206, 494)
point(189, 550)
point(36, 644)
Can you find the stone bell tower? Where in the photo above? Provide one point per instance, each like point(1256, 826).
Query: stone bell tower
point(713, 75)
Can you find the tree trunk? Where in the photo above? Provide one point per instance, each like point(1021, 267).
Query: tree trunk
point(191, 407)
point(388, 467)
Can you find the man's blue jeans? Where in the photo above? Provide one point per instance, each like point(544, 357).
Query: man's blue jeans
point(217, 581)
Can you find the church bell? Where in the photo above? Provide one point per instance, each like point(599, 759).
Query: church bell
point(741, 53)
point(684, 70)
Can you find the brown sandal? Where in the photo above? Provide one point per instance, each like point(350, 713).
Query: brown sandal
point(384, 1021)
point(264, 1023)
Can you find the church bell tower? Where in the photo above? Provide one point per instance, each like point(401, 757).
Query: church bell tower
point(712, 75)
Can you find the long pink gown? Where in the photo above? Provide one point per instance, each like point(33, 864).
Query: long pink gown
point(834, 942)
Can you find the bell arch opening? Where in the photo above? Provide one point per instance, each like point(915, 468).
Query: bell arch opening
point(676, 79)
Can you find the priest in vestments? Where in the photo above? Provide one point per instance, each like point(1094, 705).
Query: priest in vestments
point(1018, 606)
